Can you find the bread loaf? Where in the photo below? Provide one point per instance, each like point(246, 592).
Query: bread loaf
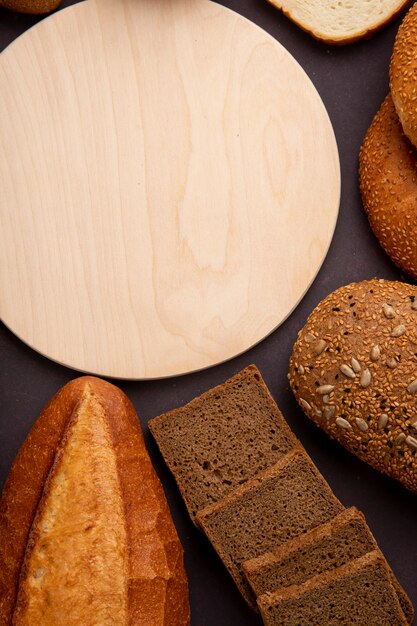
point(353, 371)
point(403, 74)
point(388, 184)
point(85, 531)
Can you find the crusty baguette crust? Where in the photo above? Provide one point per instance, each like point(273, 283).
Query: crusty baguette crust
point(157, 583)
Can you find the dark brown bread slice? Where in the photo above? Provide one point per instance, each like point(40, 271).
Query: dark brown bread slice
point(278, 504)
point(358, 593)
point(222, 438)
point(331, 545)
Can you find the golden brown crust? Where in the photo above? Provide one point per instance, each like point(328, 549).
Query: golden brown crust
point(34, 7)
point(403, 74)
point(23, 488)
point(388, 184)
point(353, 371)
point(157, 583)
point(366, 33)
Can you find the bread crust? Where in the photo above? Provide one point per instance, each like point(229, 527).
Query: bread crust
point(403, 74)
point(324, 531)
point(364, 33)
point(33, 7)
point(220, 391)
point(157, 583)
point(388, 185)
point(370, 325)
point(372, 560)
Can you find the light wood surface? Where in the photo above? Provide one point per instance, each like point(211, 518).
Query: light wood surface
point(169, 186)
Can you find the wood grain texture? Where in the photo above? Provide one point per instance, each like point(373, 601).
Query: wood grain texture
point(170, 186)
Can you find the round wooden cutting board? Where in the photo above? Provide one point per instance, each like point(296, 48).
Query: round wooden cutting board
point(169, 186)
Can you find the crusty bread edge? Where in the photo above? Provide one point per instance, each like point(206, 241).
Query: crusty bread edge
point(178, 412)
point(23, 489)
point(296, 544)
point(349, 39)
point(402, 70)
point(237, 494)
point(144, 499)
point(271, 471)
point(141, 490)
point(371, 559)
point(328, 529)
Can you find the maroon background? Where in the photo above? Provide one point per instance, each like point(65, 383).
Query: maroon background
point(352, 81)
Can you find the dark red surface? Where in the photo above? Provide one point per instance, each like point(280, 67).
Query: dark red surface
point(352, 82)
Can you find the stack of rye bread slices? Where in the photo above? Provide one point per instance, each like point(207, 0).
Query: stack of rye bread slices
point(295, 553)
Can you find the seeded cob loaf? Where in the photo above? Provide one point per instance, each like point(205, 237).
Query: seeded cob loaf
point(388, 184)
point(278, 504)
point(353, 371)
point(341, 540)
point(222, 438)
point(359, 593)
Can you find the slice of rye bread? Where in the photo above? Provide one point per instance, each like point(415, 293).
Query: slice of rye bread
point(331, 545)
point(278, 504)
point(359, 592)
point(222, 438)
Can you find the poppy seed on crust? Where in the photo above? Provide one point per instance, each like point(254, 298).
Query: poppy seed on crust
point(381, 414)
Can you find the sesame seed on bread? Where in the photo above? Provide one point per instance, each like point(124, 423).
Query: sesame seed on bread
point(353, 371)
point(403, 74)
point(388, 184)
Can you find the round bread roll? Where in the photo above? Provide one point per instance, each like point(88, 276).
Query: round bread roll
point(403, 74)
point(388, 184)
point(353, 371)
point(30, 6)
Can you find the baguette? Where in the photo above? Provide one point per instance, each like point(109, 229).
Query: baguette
point(85, 531)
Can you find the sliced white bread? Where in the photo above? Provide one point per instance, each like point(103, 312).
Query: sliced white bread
point(341, 21)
